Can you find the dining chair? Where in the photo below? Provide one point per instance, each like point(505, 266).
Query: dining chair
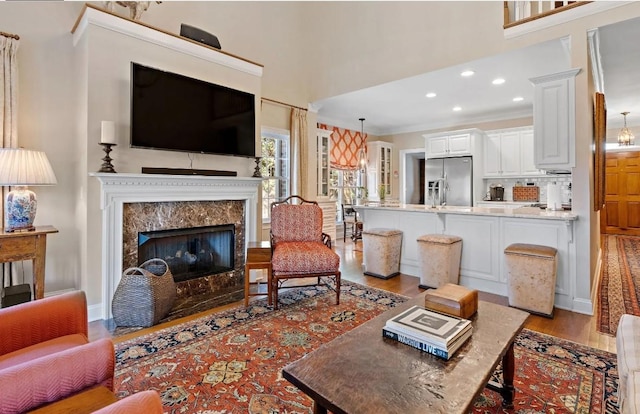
point(349, 220)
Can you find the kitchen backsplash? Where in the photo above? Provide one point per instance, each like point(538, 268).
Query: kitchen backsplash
point(508, 183)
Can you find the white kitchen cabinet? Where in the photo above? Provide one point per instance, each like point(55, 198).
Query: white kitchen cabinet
point(480, 243)
point(492, 153)
point(323, 151)
point(554, 120)
point(509, 153)
point(527, 162)
point(437, 147)
point(502, 154)
point(379, 167)
point(459, 143)
point(448, 145)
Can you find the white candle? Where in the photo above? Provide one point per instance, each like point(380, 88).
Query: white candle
point(108, 135)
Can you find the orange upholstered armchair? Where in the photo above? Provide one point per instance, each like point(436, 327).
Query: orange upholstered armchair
point(45, 354)
point(299, 247)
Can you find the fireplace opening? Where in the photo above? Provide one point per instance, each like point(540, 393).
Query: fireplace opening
point(190, 253)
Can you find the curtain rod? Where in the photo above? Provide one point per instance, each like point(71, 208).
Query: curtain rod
point(12, 36)
point(283, 103)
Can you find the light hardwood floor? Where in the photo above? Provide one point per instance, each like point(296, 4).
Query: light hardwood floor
point(573, 326)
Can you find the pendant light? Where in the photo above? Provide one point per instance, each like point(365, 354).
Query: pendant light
point(625, 137)
point(362, 155)
point(361, 175)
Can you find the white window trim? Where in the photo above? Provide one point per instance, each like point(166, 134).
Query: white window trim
point(276, 133)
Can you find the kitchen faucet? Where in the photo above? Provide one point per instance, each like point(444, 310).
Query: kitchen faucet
point(440, 185)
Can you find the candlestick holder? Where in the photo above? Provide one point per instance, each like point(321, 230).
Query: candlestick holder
point(256, 172)
point(107, 167)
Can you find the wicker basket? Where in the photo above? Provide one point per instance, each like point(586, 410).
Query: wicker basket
point(144, 295)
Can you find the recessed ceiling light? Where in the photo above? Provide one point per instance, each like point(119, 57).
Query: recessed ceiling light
point(431, 95)
point(518, 99)
point(467, 73)
point(457, 108)
point(498, 81)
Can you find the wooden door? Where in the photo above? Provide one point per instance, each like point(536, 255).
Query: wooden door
point(621, 213)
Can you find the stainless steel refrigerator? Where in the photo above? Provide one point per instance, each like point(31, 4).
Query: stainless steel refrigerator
point(449, 181)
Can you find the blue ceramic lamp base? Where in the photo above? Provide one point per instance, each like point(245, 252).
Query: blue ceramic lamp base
point(20, 209)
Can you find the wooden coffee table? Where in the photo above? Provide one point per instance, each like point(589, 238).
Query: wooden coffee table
point(362, 372)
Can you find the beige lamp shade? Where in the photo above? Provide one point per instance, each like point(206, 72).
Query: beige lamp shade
point(20, 168)
point(25, 167)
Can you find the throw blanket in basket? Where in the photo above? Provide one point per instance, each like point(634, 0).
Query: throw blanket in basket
point(144, 295)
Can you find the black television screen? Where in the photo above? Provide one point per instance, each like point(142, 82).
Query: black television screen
point(175, 112)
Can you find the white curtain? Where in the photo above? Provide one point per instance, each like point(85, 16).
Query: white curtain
point(8, 105)
point(299, 152)
point(8, 92)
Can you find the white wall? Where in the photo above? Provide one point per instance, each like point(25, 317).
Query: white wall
point(47, 121)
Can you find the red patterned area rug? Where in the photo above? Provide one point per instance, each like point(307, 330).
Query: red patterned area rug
point(230, 362)
point(619, 290)
point(557, 376)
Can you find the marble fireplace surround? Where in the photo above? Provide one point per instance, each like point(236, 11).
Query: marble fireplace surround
point(138, 218)
point(120, 189)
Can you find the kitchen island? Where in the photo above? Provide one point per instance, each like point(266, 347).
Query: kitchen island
point(485, 233)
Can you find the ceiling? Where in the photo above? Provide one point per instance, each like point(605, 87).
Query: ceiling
point(620, 61)
point(401, 106)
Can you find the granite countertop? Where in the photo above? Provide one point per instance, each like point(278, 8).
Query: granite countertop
point(520, 212)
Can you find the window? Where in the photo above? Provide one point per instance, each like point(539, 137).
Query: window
point(344, 186)
point(274, 166)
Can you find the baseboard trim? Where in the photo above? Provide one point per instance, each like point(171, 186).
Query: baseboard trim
point(595, 287)
point(583, 306)
point(94, 312)
point(58, 292)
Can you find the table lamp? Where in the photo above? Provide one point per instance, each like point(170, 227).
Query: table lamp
point(20, 168)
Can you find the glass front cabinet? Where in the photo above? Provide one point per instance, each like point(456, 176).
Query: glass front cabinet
point(323, 151)
point(380, 170)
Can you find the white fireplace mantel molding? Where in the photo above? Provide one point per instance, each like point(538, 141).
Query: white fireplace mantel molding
point(118, 189)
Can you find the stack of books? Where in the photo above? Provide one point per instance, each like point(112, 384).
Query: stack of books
point(429, 331)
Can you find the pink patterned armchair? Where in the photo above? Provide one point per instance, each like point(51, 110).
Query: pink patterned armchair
point(299, 247)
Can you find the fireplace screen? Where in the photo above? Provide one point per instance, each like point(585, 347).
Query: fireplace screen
point(190, 253)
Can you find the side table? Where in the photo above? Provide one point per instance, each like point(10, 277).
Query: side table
point(27, 245)
point(258, 257)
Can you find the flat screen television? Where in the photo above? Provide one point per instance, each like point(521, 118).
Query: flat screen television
point(174, 112)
